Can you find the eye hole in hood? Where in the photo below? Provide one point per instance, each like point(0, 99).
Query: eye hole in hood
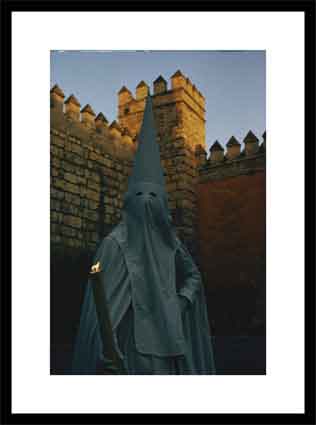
point(150, 193)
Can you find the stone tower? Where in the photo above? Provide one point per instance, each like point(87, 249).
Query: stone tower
point(180, 119)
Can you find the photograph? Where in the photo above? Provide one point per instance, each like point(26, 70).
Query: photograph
point(158, 212)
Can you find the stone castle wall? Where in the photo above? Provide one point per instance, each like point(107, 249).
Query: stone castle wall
point(231, 202)
point(90, 164)
point(91, 160)
point(231, 198)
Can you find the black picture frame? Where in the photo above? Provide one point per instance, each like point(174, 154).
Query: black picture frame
point(306, 6)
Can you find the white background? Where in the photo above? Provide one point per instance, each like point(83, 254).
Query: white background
point(282, 36)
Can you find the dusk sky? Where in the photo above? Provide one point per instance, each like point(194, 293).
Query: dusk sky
point(232, 82)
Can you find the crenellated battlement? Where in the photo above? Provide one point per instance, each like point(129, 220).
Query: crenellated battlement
point(68, 116)
point(124, 95)
point(232, 161)
point(180, 106)
point(178, 83)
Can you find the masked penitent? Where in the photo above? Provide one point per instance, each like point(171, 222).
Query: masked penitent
point(144, 309)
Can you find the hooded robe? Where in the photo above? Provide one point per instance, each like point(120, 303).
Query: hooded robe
point(146, 272)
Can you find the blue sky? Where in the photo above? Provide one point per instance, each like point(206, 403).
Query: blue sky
point(232, 82)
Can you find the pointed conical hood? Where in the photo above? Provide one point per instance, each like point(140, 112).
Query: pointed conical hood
point(147, 167)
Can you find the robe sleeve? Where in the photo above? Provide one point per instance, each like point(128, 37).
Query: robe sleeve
point(107, 253)
point(88, 345)
point(189, 274)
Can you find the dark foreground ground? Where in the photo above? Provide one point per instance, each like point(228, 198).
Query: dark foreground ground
point(235, 355)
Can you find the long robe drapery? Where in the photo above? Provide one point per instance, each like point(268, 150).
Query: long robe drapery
point(196, 354)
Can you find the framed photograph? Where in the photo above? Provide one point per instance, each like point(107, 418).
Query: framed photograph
point(155, 228)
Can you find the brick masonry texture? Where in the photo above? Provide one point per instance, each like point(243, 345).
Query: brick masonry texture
point(231, 202)
point(87, 183)
point(231, 229)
